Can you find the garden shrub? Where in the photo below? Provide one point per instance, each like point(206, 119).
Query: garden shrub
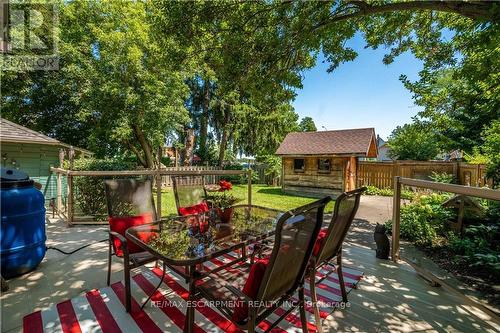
point(239, 179)
point(388, 192)
point(372, 190)
point(480, 246)
point(89, 191)
point(442, 177)
point(423, 220)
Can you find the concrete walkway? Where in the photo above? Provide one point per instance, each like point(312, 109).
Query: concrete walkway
point(373, 209)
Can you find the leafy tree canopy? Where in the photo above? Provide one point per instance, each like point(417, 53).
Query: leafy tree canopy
point(115, 90)
point(307, 125)
point(133, 73)
point(413, 142)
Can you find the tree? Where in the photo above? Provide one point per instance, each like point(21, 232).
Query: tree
point(115, 83)
point(249, 84)
point(491, 149)
point(307, 125)
point(412, 142)
point(232, 69)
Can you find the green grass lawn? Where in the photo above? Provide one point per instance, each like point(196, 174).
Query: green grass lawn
point(262, 195)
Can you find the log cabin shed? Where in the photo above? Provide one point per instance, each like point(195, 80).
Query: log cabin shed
point(33, 153)
point(325, 162)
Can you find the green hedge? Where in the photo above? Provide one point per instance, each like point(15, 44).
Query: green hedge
point(90, 198)
point(388, 192)
point(239, 179)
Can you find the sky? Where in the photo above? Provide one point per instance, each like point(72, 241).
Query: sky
point(360, 93)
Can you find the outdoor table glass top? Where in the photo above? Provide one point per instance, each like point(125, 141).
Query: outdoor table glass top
point(193, 239)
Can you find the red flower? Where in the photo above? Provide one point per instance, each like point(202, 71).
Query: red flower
point(225, 185)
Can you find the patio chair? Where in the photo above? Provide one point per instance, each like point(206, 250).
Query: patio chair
point(329, 244)
point(190, 194)
point(250, 293)
point(130, 203)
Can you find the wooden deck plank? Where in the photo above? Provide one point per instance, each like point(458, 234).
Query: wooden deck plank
point(393, 297)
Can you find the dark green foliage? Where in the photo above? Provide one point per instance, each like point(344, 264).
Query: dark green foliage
point(273, 168)
point(423, 220)
point(239, 179)
point(307, 125)
point(413, 142)
point(479, 247)
point(491, 149)
point(388, 192)
point(89, 191)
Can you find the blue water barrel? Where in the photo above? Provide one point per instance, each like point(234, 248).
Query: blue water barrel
point(22, 233)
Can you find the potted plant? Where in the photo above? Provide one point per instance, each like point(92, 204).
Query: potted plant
point(223, 201)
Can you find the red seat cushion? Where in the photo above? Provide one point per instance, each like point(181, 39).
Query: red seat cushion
point(250, 289)
point(120, 224)
point(202, 207)
point(319, 241)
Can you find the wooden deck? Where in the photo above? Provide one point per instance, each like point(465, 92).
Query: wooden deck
point(391, 297)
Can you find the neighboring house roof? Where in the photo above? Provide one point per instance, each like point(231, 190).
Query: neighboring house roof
point(12, 132)
point(381, 142)
point(358, 141)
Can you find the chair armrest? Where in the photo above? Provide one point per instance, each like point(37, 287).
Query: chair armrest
point(121, 238)
point(231, 288)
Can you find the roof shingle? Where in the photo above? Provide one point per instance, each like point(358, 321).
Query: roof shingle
point(12, 132)
point(339, 142)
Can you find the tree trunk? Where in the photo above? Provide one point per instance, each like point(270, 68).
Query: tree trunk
point(223, 145)
point(204, 121)
point(224, 136)
point(475, 10)
point(146, 147)
point(189, 144)
point(137, 153)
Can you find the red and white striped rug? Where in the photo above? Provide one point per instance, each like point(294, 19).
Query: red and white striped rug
point(102, 310)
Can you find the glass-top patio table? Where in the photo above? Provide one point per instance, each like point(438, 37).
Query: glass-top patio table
point(184, 243)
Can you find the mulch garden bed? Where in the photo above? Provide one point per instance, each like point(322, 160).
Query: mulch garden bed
point(486, 283)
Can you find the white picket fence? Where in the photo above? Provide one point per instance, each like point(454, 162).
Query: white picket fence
point(166, 181)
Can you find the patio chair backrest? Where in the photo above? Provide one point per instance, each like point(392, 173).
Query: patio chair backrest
point(188, 190)
point(129, 197)
point(345, 209)
point(296, 233)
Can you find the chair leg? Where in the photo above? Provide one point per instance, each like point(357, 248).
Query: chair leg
point(341, 276)
point(251, 325)
point(189, 319)
point(303, 318)
point(110, 256)
point(314, 299)
point(128, 297)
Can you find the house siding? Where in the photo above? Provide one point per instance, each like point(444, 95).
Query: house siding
point(311, 181)
point(35, 160)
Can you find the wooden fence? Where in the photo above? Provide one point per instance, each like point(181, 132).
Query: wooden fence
point(166, 180)
point(381, 174)
point(68, 209)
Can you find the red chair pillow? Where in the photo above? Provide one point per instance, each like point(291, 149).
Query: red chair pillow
point(120, 224)
point(250, 289)
point(319, 241)
point(202, 207)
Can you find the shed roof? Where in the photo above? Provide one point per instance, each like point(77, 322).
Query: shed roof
point(358, 142)
point(12, 132)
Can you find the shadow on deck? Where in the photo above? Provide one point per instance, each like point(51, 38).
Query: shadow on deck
point(391, 297)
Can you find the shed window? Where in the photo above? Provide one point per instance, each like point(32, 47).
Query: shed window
point(299, 165)
point(324, 165)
